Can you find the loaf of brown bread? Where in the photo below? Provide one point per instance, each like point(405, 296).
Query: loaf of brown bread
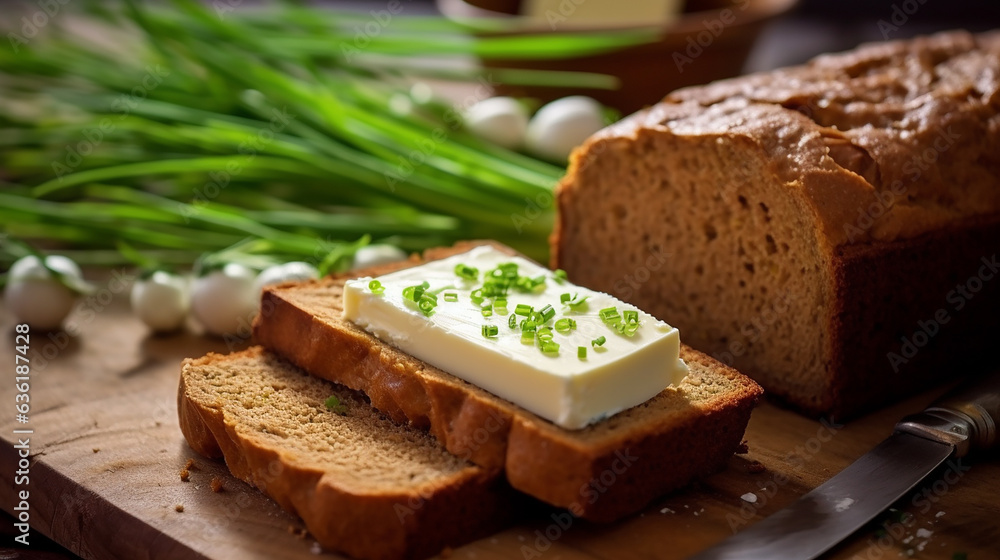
point(601, 473)
point(361, 483)
point(829, 229)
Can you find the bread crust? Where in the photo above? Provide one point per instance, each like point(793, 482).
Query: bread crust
point(900, 323)
point(682, 433)
point(409, 521)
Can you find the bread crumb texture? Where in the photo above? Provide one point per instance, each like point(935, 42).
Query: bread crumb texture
point(283, 408)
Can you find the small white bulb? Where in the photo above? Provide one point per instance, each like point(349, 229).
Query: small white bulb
point(35, 296)
point(287, 272)
point(501, 120)
point(224, 300)
point(373, 255)
point(562, 125)
point(161, 301)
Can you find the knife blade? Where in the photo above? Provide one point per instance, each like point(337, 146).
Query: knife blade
point(966, 420)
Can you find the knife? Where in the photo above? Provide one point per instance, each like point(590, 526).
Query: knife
point(963, 421)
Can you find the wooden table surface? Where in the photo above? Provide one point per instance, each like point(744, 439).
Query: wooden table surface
point(106, 452)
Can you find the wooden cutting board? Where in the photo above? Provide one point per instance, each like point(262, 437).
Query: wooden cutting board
point(106, 453)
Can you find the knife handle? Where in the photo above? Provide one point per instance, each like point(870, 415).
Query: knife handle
point(967, 417)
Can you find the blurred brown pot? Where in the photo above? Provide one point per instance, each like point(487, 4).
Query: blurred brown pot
point(708, 41)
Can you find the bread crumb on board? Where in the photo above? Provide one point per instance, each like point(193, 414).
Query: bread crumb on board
point(217, 485)
point(97, 450)
point(743, 448)
point(755, 467)
point(179, 508)
point(186, 471)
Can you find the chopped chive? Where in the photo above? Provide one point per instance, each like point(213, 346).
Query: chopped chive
point(550, 348)
point(559, 275)
point(450, 296)
point(565, 325)
point(477, 296)
point(565, 298)
point(527, 337)
point(581, 352)
point(466, 271)
point(627, 329)
point(334, 405)
point(610, 316)
point(490, 331)
point(427, 304)
point(500, 303)
point(529, 325)
point(599, 341)
point(512, 321)
point(493, 289)
point(413, 293)
point(523, 310)
point(630, 316)
point(547, 313)
point(376, 287)
point(575, 301)
point(487, 311)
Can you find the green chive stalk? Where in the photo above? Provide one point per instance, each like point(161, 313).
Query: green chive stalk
point(275, 130)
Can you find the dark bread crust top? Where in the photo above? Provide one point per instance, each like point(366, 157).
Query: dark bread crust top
point(912, 127)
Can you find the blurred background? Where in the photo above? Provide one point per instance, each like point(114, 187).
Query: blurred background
point(155, 133)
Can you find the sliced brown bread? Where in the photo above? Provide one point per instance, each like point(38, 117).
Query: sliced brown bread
point(828, 229)
point(362, 484)
point(602, 472)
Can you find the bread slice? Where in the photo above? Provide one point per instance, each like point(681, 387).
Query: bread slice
point(601, 473)
point(363, 484)
point(827, 229)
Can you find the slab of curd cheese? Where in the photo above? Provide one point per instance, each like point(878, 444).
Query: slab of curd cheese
point(561, 387)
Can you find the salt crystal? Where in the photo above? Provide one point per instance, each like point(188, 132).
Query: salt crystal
point(924, 533)
point(749, 497)
point(843, 505)
point(316, 548)
point(666, 510)
point(939, 514)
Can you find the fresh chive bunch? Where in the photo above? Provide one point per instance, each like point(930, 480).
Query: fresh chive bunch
point(186, 131)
